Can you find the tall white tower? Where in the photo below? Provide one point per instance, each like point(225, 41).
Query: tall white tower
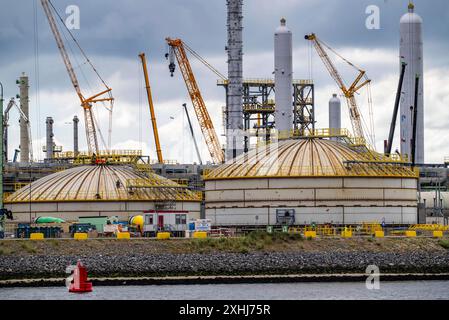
point(411, 52)
point(283, 78)
point(334, 114)
point(234, 102)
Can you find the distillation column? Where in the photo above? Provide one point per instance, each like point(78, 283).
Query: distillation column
point(75, 135)
point(411, 52)
point(24, 106)
point(334, 115)
point(234, 102)
point(49, 140)
point(283, 79)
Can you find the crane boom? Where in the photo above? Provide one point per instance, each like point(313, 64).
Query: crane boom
point(191, 132)
point(150, 104)
point(86, 103)
point(205, 122)
point(348, 92)
point(12, 103)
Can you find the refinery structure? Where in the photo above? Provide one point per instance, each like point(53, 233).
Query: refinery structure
point(279, 166)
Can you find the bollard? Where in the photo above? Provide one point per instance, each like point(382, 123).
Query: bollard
point(438, 234)
point(80, 236)
point(163, 235)
point(379, 234)
point(200, 235)
point(410, 233)
point(310, 234)
point(123, 235)
point(36, 236)
point(346, 233)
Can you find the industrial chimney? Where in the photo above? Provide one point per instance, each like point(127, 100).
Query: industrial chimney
point(50, 143)
point(75, 135)
point(24, 106)
point(411, 53)
point(283, 79)
point(334, 115)
point(234, 102)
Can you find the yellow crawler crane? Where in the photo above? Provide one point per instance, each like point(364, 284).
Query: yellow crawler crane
point(348, 92)
point(178, 49)
point(150, 104)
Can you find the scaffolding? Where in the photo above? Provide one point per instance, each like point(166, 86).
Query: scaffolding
point(259, 106)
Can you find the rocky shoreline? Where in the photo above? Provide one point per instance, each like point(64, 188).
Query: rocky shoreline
point(178, 261)
point(225, 264)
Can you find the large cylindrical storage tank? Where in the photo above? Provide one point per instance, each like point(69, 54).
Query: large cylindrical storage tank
point(283, 78)
point(411, 52)
point(334, 115)
point(311, 180)
point(100, 190)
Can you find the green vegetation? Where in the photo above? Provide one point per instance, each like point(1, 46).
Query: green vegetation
point(444, 243)
point(54, 243)
point(256, 240)
point(28, 247)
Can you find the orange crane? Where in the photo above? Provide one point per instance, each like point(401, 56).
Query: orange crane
point(150, 104)
point(86, 103)
point(178, 49)
point(348, 92)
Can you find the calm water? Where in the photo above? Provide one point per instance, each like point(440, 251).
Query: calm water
point(278, 291)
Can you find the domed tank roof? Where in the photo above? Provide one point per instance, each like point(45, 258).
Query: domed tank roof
point(306, 158)
point(410, 16)
point(101, 183)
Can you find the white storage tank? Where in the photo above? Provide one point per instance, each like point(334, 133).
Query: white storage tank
point(101, 190)
point(310, 180)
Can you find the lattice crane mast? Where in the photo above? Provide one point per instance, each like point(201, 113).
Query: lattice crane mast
point(348, 92)
point(86, 103)
point(178, 49)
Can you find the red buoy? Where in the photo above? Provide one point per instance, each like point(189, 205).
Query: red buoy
point(79, 283)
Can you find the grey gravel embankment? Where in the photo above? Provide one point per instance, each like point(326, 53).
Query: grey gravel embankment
point(223, 263)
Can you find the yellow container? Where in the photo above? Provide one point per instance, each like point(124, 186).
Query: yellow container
point(200, 235)
point(163, 235)
point(123, 235)
point(80, 236)
point(36, 236)
point(310, 234)
point(410, 233)
point(438, 234)
point(379, 234)
point(346, 234)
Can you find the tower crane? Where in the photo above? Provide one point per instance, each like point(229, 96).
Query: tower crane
point(178, 49)
point(86, 103)
point(150, 104)
point(348, 92)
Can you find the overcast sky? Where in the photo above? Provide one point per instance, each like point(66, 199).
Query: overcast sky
point(112, 33)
